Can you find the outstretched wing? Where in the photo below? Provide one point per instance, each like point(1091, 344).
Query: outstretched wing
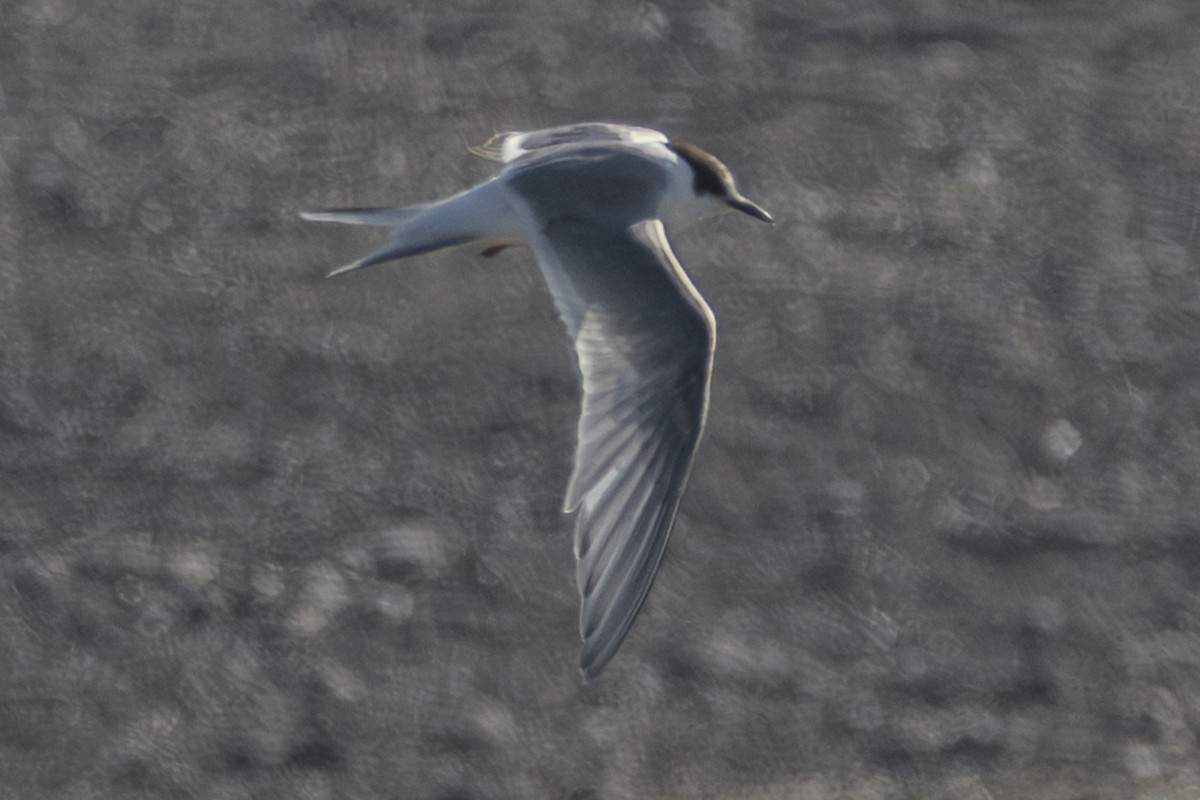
point(512, 145)
point(644, 339)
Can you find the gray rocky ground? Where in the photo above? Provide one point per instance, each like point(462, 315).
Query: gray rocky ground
point(264, 535)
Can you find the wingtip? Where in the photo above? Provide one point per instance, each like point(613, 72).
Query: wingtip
point(482, 151)
point(492, 149)
point(590, 669)
point(595, 655)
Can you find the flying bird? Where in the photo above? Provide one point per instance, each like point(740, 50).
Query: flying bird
point(591, 201)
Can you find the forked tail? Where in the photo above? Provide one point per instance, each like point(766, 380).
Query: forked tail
point(398, 246)
point(382, 217)
point(481, 213)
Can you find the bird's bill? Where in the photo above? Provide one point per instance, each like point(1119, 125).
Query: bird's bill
point(751, 208)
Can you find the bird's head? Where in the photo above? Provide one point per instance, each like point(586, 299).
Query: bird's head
point(713, 180)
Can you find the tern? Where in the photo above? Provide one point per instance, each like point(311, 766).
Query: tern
point(591, 201)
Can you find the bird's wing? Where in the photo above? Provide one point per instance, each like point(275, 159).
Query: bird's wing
point(644, 339)
point(512, 145)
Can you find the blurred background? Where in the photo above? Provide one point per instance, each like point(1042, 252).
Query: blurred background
point(264, 535)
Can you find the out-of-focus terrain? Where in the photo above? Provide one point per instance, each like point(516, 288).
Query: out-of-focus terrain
point(266, 535)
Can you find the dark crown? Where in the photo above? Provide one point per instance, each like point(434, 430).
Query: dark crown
point(711, 176)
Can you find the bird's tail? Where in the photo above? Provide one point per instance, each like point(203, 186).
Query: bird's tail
point(382, 217)
point(398, 246)
point(481, 213)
